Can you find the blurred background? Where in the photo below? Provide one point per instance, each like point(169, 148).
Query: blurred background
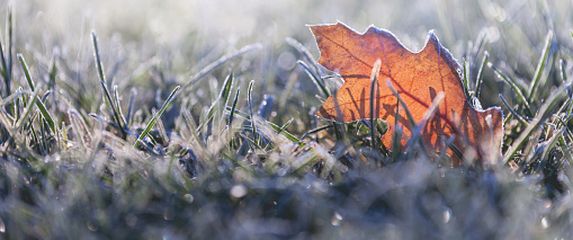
point(187, 35)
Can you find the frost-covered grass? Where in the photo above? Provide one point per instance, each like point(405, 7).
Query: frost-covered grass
point(195, 119)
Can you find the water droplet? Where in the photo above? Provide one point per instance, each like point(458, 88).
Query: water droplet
point(2, 226)
point(336, 219)
point(189, 198)
point(544, 223)
point(91, 226)
point(238, 191)
point(446, 215)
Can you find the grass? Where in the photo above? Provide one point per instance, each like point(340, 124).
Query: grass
point(189, 132)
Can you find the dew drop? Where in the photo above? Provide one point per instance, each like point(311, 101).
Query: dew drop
point(189, 198)
point(2, 226)
point(238, 191)
point(336, 219)
point(544, 223)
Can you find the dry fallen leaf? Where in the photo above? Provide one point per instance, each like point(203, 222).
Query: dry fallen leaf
point(418, 78)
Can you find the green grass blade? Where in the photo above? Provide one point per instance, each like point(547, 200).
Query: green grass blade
point(250, 103)
point(46, 115)
point(544, 112)
point(26, 71)
point(233, 107)
point(103, 83)
point(118, 105)
point(281, 130)
point(317, 80)
point(562, 70)
point(217, 63)
point(516, 89)
point(9, 63)
point(479, 77)
point(511, 110)
point(39, 103)
point(4, 69)
point(466, 77)
point(157, 115)
point(540, 66)
point(222, 98)
point(374, 100)
point(27, 111)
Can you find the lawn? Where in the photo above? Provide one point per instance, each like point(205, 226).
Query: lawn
point(147, 119)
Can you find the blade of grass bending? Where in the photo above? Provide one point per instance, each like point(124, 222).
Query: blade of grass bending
point(479, 77)
point(315, 130)
point(301, 49)
point(542, 115)
point(212, 66)
point(540, 66)
point(157, 115)
point(317, 80)
point(373, 100)
point(26, 71)
point(103, 83)
point(514, 87)
point(281, 130)
point(39, 103)
point(513, 112)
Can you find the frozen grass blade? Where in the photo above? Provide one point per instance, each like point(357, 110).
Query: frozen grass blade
point(281, 130)
point(317, 80)
point(313, 73)
point(562, 70)
point(222, 60)
point(315, 130)
point(9, 64)
point(466, 78)
point(130, 107)
point(511, 110)
point(544, 112)
point(250, 103)
point(38, 102)
point(520, 96)
point(27, 111)
point(157, 115)
point(402, 103)
point(103, 83)
point(479, 77)
point(4, 72)
point(26, 71)
point(540, 66)
point(221, 100)
point(374, 100)
point(118, 105)
point(233, 107)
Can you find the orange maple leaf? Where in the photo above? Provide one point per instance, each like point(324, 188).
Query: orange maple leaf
point(418, 78)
